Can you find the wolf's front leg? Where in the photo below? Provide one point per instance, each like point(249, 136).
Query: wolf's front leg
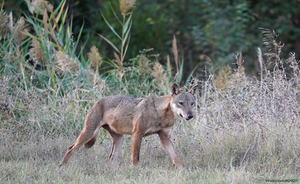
point(166, 143)
point(136, 146)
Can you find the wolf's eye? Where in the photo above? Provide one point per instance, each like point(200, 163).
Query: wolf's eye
point(192, 104)
point(180, 103)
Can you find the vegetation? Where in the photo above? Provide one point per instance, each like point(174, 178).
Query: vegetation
point(246, 129)
point(202, 27)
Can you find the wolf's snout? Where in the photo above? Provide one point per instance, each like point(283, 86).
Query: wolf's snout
point(189, 116)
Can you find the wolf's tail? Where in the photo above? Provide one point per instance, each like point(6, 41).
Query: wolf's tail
point(91, 142)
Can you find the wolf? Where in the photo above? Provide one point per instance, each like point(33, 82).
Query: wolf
point(139, 117)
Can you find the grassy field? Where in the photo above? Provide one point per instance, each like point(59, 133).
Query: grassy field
point(235, 138)
point(38, 163)
point(245, 130)
point(216, 158)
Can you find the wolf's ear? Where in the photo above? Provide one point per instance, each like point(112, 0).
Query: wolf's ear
point(175, 89)
point(193, 90)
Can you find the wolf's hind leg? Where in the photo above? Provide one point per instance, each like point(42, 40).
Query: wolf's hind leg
point(117, 140)
point(86, 137)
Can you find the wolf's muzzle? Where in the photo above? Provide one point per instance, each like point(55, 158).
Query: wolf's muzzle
point(189, 116)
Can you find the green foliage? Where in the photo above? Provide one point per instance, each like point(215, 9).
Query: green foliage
point(126, 24)
point(223, 31)
point(213, 28)
point(48, 54)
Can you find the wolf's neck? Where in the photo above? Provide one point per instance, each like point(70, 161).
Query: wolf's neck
point(163, 102)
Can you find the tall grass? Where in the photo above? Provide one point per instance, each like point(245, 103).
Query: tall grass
point(246, 129)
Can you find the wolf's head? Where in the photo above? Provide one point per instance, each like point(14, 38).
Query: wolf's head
point(183, 102)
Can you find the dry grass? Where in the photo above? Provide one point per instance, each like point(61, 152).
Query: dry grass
point(246, 132)
point(216, 158)
point(5, 28)
point(37, 162)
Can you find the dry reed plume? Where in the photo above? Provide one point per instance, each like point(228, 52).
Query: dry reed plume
point(42, 4)
point(175, 53)
point(222, 80)
point(36, 52)
point(95, 63)
point(95, 58)
point(143, 66)
point(126, 5)
point(159, 74)
point(21, 27)
point(5, 28)
point(66, 63)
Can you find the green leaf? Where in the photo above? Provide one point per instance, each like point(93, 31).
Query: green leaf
point(59, 40)
point(60, 7)
point(124, 53)
point(53, 83)
point(127, 34)
point(28, 5)
point(32, 23)
point(108, 71)
point(125, 28)
point(63, 19)
point(78, 37)
point(24, 75)
point(109, 63)
point(109, 42)
point(2, 5)
point(115, 13)
point(111, 28)
point(38, 9)
point(81, 54)
point(123, 85)
point(180, 74)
